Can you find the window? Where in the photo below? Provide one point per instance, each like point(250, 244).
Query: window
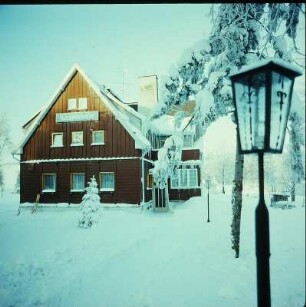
point(183, 177)
point(82, 103)
point(187, 178)
point(48, 183)
point(149, 181)
point(98, 137)
point(77, 182)
point(77, 104)
point(175, 181)
point(107, 181)
point(188, 140)
point(72, 104)
point(57, 139)
point(193, 178)
point(77, 138)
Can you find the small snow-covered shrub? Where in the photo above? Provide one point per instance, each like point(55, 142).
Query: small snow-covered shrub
point(90, 205)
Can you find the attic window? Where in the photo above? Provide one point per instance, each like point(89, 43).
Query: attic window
point(82, 103)
point(72, 104)
point(77, 104)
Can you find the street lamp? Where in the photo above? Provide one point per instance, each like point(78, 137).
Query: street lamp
point(262, 98)
point(207, 183)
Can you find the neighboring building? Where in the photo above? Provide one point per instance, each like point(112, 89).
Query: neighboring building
point(87, 130)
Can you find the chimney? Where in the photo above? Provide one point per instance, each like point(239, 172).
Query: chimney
point(148, 93)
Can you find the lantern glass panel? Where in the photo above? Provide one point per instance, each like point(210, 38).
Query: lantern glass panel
point(251, 112)
point(280, 103)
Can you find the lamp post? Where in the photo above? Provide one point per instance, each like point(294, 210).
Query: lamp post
point(207, 183)
point(262, 98)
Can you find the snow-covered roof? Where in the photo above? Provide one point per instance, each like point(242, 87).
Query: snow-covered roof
point(165, 125)
point(111, 102)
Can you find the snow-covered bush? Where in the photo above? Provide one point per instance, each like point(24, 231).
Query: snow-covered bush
point(90, 205)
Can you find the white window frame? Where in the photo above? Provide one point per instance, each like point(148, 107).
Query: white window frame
point(100, 181)
point(92, 137)
point(82, 101)
point(72, 181)
point(193, 170)
point(75, 103)
point(44, 190)
point(53, 135)
point(76, 144)
point(188, 186)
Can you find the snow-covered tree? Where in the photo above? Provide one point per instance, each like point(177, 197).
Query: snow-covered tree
point(241, 34)
point(296, 142)
point(5, 142)
point(90, 205)
point(169, 157)
point(17, 184)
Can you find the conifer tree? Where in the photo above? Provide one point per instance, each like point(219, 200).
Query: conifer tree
point(90, 205)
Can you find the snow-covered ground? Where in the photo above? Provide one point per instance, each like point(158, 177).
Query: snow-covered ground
point(141, 259)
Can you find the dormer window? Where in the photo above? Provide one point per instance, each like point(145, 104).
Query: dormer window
point(77, 104)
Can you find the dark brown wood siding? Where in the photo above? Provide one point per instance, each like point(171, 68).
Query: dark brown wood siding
point(187, 154)
point(118, 142)
point(126, 172)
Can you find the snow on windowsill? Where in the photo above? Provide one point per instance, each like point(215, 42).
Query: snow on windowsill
point(185, 188)
point(77, 191)
point(48, 191)
point(73, 145)
point(93, 144)
point(57, 146)
point(107, 190)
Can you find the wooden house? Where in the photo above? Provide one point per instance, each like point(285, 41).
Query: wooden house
point(86, 130)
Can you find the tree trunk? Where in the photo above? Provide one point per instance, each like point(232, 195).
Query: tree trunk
point(292, 191)
point(237, 202)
